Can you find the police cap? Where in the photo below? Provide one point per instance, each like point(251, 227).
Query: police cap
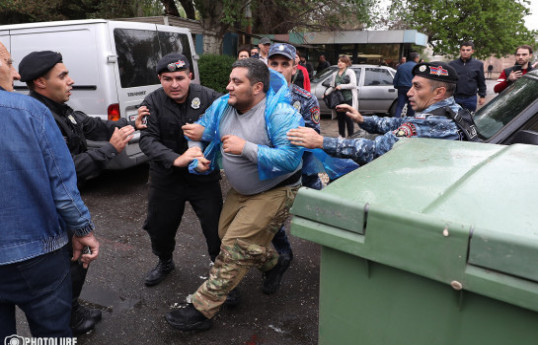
point(37, 64)
point(284, 49)
point(436, 70)
point(172, 62)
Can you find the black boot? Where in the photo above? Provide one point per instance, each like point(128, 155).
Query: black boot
point(188, 319)
point(157, 275)
point(83, 319)
point(273, 277)
point(233, 298)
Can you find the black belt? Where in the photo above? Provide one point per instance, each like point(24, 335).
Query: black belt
point(290, 180)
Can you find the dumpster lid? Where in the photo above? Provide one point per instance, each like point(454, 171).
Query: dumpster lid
point(492, 189)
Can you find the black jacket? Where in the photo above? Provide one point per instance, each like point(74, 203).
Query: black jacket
point(76, 127)
point(471, 78)
point(163, 141)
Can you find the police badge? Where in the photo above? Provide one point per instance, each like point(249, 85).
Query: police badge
point(195, 104)
point(72, 119)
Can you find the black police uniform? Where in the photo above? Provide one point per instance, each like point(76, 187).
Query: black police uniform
point(170, 187)
point(76, 127)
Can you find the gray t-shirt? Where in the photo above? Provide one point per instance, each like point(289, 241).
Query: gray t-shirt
point(242, 170)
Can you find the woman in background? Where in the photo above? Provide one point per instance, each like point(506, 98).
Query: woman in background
point(345, 81)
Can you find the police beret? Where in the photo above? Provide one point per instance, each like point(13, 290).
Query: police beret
point(172, 62)
point(436, 70)
point(283, 49)
point(264, 40)
point(37, 64)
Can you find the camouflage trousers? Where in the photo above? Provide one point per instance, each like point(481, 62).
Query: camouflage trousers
point(247, 225)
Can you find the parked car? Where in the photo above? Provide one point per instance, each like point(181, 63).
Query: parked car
point(377, 94)
point(512, 116)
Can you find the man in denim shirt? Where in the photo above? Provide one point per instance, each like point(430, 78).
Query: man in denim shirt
point(39, 202)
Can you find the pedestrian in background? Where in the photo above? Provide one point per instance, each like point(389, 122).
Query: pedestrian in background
point(471, 78)
point(303, 62)
point(402, 82)
point(264, 45)
point(322, 64)
point(301, 78)
point(344, 81)
point(39, 204)
point(511, 74)
point(243, 53)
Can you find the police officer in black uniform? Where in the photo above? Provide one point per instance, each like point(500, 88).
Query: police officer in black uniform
point(175, 104)
point(49, 82)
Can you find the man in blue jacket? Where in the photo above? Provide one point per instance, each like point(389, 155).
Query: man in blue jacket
point(402, 82)
point(248, 129)
point(39, 203)
point(471, 78)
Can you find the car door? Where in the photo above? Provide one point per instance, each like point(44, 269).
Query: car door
point(376, 93)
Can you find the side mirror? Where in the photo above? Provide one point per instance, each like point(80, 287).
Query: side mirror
point(326, 83)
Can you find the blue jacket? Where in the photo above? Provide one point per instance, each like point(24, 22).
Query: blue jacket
point(404, 75)
point(423, 125)
point(280, 117)
point(471, 78)
point(39, 199)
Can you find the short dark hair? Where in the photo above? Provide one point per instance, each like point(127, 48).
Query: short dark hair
point(413, 56)
point(525, 46)
point(258, 72)
point(467, 44)
point(244, 49)
point(449, 87)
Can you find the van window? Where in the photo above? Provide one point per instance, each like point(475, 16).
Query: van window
point(140, 50)
point(173, 42)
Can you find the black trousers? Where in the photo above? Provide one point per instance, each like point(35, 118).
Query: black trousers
point(343, 121)
point(165, 210)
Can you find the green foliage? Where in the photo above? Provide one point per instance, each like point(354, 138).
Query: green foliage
point(17, 11)
point(496, 27)
point(215, 71)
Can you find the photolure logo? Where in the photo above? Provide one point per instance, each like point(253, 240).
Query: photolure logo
point(15, 339)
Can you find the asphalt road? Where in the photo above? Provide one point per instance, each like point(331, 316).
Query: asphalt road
point(134, 314)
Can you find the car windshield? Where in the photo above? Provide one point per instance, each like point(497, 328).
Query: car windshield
point(324, 74)
point(502, 109)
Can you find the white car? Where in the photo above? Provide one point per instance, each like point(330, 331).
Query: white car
point(377, 95)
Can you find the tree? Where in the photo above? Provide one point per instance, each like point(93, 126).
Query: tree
point(274, 16)
point(495, 27)
point(16, 11)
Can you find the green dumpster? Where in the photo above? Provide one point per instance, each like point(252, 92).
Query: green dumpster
point(435, 242)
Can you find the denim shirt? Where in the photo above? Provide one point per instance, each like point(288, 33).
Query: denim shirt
point(39, 199)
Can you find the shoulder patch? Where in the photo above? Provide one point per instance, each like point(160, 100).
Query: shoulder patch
point(406, 130)
point(315, 114)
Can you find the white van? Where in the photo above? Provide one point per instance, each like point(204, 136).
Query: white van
point(112, 63)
